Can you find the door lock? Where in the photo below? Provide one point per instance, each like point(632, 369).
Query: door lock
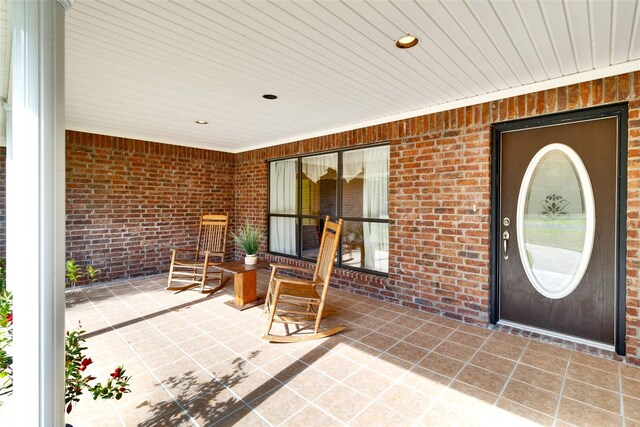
point(505, 243)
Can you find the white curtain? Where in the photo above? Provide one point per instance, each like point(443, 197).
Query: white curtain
point(317, 166)
point(376, 195)
point(282, 200)
point(352, 164)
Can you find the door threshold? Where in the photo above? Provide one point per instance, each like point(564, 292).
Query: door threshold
point(577, 340)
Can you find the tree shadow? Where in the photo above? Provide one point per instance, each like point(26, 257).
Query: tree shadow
point(208, 400)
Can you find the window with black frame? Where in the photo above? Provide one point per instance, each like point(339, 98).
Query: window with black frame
point(350, 184)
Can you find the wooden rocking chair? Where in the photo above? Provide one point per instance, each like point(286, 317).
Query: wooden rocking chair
point(199, 269)
point(300, 301)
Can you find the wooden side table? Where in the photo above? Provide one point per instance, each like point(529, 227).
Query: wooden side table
point(244, 283)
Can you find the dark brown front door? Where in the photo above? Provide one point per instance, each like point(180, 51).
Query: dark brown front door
point(557, 228)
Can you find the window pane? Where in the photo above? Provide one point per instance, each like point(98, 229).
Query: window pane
point(366, 245)
point(282, 235)
point(283, 186)
point(319, 185)
point(365, 183)
point(311, 236)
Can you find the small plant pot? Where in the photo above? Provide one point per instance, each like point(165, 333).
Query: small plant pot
point(251, 259)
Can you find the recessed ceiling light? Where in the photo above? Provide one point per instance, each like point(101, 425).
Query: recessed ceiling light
point(269, 96)
point(202, 122)
point(406, 41)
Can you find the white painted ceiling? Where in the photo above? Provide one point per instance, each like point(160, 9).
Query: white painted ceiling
point(149, 69)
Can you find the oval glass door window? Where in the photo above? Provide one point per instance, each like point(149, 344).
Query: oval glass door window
point(555, 221)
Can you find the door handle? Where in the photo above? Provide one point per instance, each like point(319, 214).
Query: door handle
point(505, 244)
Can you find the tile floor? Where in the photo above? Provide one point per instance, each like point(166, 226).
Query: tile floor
point(196, 361)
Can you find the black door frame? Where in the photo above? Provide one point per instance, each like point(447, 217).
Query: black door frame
point(613, 110)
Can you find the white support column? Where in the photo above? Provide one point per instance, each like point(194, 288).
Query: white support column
point(36, 211)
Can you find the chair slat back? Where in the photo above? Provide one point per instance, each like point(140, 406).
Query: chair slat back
point(328, 248)
point(213, 234)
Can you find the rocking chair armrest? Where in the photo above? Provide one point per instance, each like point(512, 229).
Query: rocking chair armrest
point(295, 281)
point(290, 267)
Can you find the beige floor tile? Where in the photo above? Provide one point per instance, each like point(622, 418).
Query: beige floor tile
point(394, 330)
point(511, 339)
point(379, 341)
point(474, 392)
point(493, 363)
point(466, 339)
point(508, 413)
point(278, 405)
point(593, 376)
point(241, 418)
point(632, 372)
point(163, 357)
point(551, 350)
point(150, 410)
point(595, 362)
point(502, 348)
point(405, 400)
point(311, 383)
point(227, 344)
point(457, 409)
point(409, 322)
point(384, 314)
point(377, 415)
point(359, 353)
point(408, 352)
point(456, 351)
point(445, 321)
point(253, 385)
point(482, 378)
point(631, 387)
point(475, 330)
point(531, 397)
point(631, 408)
point(538, 377)
point(195, 344)
point(442, 364)
point(311, 416)
point(337, 367)
point(368, 382)
point(425, 381)
point(544, 361)
point(438, 331)
point(581, 414)
point(213, 355)
point(342, 402)
point(389, 365)
point(592, 395)
point(426, 341)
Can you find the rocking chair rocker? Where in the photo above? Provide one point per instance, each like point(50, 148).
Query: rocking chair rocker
point(299, 301)
point(200, 268)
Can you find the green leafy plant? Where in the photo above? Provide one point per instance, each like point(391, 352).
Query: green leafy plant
point(249, 238)
point(6, 338)
point(74, 273)
point(76, 362)
point(92, 272)
point(77, 381)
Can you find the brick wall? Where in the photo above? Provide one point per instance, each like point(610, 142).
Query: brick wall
point(129, 202)
point(440, 169)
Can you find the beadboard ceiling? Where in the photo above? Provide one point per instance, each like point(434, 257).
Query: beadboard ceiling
point(149, 69)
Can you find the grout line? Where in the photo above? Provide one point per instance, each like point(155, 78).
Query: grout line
point(142, 361)
point(453, 379)
point(564, 380)
point(621, 397)
point(260, 368)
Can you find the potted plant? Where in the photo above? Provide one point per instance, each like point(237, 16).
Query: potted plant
point(249, 239)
